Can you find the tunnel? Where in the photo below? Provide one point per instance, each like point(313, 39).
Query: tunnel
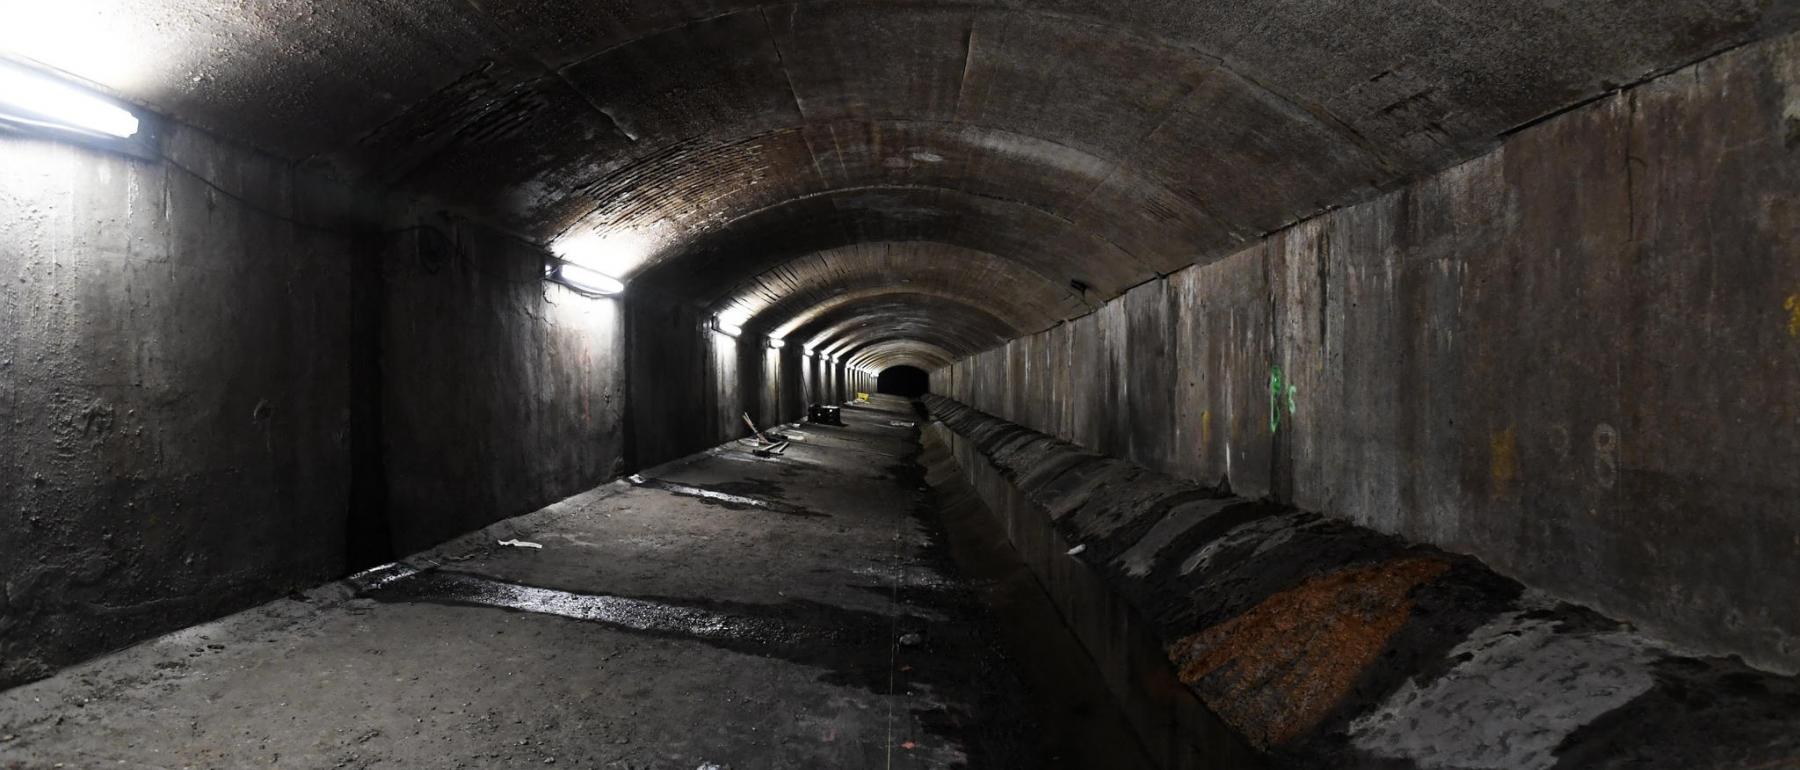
point(937, 383)
point(904, 381)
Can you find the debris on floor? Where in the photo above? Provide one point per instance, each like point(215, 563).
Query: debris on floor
point(521, 544)
point(901, 423)
point(1076, 551)
point(753, 428)
point(822, 414)
point(764, 444)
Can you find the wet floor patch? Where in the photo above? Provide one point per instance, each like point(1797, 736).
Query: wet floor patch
point(974, 700)
point(626, 613)
point(730, 500)
point(377, 577)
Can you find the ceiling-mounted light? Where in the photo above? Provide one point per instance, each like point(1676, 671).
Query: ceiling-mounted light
point(40, 100)
point(731, 321)
point(776, 343)
point(614, 252)
point(585, 280)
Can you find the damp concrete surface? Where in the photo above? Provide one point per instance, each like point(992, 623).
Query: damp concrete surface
point(730, 611)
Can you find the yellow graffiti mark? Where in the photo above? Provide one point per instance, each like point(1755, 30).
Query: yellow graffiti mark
point(1793, 308)
point(1503, 461)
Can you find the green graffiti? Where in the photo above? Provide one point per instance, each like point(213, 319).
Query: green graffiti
point(1278, 389)
point(1274, 399)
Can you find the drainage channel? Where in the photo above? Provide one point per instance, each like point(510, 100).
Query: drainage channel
point(1082, 724)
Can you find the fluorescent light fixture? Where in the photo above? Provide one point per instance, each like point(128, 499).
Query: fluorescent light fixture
point(731, 322)
point(775, 343)
point(615, 253)
point(585, 280)
point(37, 99)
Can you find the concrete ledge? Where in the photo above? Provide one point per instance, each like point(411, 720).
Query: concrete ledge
point(1325, 644)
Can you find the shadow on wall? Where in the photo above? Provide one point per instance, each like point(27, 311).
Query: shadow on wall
point(907, 381)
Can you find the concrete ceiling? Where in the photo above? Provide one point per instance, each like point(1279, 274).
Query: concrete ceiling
point(951, 173)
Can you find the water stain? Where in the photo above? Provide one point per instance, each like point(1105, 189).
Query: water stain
point(376, 577)
point(726, 499)
point(622, 612)
point(977, 700)
point(765, 489)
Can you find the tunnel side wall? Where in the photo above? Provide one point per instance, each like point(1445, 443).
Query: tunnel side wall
point(175, 392)
point(691, 386)
point(502, 393)
point(1574, 358)
point(212, 396)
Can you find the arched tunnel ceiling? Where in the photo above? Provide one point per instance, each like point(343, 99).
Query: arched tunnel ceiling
point(794, 292)
point(946, 324)
point(714, 144)
point(902, 353)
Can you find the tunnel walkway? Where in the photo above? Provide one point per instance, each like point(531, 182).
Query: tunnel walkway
point(725, 610)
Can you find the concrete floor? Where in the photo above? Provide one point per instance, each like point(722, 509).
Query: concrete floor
point(812, 616)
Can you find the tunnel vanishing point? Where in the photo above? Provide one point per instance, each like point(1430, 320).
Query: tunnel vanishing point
point(1379, 384)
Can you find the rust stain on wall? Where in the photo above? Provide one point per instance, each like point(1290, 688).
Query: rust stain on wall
point(1503, 461)
point(1277, 670)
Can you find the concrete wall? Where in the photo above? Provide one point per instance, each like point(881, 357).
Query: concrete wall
point(205, 403)
point(668, 354)
point(1574, 358)
point(691, 386)
point(502, 393)
point(175, 392)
